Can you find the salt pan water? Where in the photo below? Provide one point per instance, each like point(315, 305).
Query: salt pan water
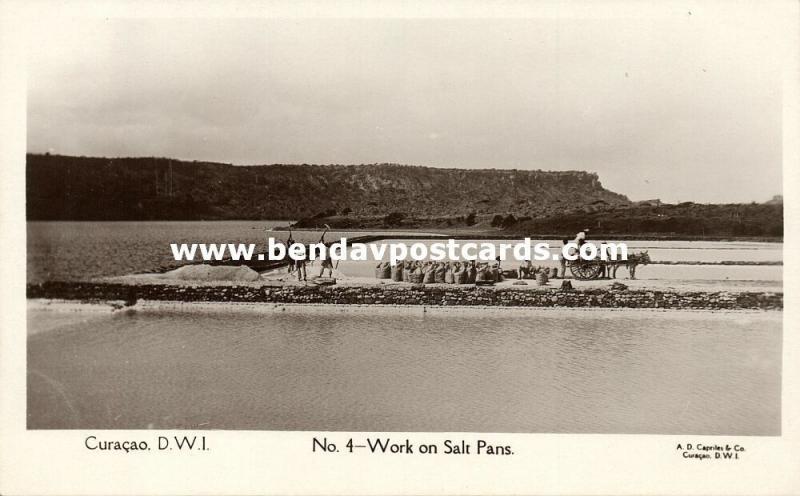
point(224, 366)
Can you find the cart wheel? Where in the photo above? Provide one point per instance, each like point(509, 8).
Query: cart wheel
point(585, 271)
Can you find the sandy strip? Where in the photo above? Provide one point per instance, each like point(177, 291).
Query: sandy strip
point(46, 305)
point(148, 306)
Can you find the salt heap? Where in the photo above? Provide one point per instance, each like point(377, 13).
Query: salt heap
point(213, 273)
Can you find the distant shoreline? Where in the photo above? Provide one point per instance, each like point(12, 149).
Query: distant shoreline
point(485, 234)
point(422, 232)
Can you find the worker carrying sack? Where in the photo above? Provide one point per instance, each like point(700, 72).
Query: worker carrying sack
point(439, 274)
point(448, 275)
point(472, 274)
point(386, 271)
point(430, 275)
point(460, 276)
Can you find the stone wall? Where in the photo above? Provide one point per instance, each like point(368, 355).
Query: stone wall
point(410, 295)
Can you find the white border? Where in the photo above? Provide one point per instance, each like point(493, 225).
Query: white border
point(55, 462)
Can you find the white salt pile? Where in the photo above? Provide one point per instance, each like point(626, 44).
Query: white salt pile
point(212, 273)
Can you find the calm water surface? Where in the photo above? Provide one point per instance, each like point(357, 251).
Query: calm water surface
point(82, 250)
point(403, 370)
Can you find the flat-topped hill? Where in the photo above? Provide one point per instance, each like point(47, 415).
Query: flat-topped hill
point(84, 188)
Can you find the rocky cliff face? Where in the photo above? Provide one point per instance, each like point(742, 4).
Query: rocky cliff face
point(81, 188)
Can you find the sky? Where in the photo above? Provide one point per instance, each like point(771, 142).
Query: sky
point(683, 107)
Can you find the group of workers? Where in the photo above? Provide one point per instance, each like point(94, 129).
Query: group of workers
point(298, 266)
point(430, 272)
point(471, 272)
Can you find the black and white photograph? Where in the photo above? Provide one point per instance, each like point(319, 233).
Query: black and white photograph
point(517, 224)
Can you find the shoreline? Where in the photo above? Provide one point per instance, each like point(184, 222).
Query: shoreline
point(437, 232)
point(461, 296)
point(117, 307)
point(434, 232)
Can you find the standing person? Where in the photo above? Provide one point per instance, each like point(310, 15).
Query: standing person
point(289, 243)
point(563, 261)
point(472, 272)
point(580, 238)
point(326, 259)
point(497, 271)
point(605, 269)
point(300, 267)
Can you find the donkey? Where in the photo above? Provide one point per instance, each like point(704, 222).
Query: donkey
point(635, 259)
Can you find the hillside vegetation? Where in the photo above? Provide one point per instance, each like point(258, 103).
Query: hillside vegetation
point(80, 188)
point(376, 196)
point(686, 220)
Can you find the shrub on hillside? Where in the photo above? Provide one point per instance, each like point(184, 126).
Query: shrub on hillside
point(394, 219)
